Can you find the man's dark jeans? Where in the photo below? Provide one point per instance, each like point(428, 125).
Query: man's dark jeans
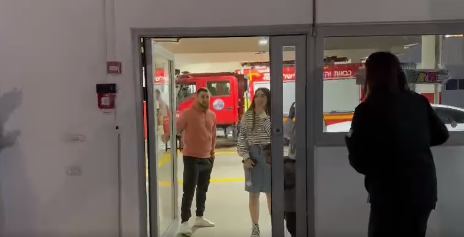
point(197, 173)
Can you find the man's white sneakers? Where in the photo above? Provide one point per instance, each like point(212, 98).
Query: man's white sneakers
point(185, 229)
point(203, 222)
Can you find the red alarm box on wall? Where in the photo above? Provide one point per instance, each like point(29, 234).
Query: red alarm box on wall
point(106, 96)
point(106, 101)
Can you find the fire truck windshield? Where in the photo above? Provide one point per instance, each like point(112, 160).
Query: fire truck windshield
point(185, 92)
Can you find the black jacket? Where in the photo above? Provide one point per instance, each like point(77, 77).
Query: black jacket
point(389, 142)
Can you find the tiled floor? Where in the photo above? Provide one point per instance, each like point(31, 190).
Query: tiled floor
point(227, 201)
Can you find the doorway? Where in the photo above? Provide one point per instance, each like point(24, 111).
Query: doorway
point(171, 84)
point(161, 154)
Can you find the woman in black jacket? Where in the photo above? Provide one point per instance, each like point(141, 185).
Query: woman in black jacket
point(389, 143)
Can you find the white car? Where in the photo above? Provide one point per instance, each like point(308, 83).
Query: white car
point(453, 117)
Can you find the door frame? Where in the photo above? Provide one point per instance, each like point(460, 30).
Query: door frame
point(192, 32)
point(303, 174)
point(152, 144)
point(153, 50)
point(158, 50)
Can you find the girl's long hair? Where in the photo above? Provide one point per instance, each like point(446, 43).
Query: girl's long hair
point(384, 74)
point(267, 93)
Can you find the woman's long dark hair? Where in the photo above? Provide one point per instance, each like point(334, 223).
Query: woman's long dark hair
point(384, 74)
point(267, 93)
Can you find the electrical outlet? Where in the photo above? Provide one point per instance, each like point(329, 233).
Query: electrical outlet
point(74, 171)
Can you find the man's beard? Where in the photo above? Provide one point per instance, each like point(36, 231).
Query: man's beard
point(204, 106)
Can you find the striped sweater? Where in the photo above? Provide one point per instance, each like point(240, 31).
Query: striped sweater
point(249, 136)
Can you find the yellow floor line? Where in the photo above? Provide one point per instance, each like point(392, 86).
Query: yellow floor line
point(167, 156)
point(226, 153)
point(167, 183)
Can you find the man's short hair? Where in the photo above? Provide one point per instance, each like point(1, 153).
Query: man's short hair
point(202, 90)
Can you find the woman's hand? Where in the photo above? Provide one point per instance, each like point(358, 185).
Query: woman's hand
point(267, 153)
point(249, 164)
point(165, 138)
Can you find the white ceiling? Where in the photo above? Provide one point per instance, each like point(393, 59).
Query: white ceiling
point(250, 44)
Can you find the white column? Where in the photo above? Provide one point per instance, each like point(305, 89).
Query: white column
point(429, 52)
point(429, 60)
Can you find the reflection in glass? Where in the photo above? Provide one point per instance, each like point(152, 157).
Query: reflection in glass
point(165, 164)
point(429, 62)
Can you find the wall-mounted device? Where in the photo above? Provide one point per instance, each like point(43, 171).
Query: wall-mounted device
point(106, 96)
point(113, 67)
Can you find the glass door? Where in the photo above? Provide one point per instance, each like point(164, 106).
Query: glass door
point(288, 122)
point(161, 121)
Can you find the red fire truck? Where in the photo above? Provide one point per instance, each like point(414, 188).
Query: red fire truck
point(259, 76)
point(228, 91)
point(227, 95)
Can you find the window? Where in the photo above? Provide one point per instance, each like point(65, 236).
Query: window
point(449, 115)
point(461, 84)
point(427, 61)
point(186, 92)
point(452, 85)
point(221, 88)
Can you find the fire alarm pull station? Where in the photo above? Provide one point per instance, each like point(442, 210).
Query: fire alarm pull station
point(106, 96)
point(113, 67)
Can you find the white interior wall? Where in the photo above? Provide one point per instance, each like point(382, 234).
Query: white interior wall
point(57, 70)
point(54, 51)
point(211, 13)
point(341, 199)
point(358, 11)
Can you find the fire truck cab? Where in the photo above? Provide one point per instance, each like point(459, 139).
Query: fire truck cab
point(227, 96)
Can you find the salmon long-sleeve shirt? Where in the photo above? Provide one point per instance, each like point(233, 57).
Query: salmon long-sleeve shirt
point(199, 131)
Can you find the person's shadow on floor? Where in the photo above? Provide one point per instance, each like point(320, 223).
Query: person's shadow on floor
point(194, 229)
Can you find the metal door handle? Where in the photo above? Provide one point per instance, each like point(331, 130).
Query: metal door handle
point(230, 109)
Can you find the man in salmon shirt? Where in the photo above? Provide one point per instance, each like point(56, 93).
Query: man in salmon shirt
point(198, 125)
